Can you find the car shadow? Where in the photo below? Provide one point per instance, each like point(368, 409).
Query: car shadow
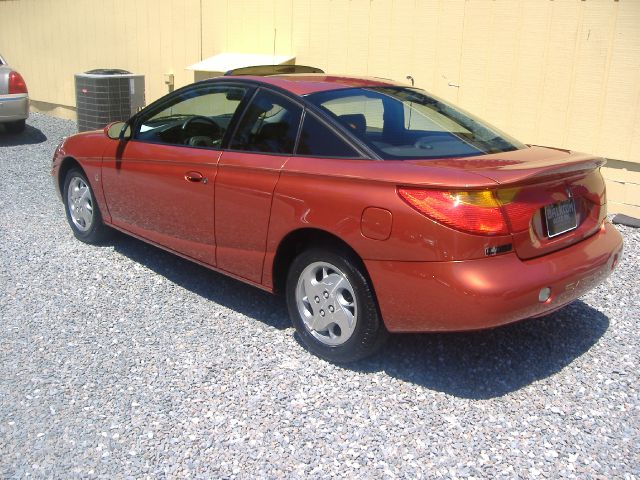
point(30, 136)
point(233, 294)
point(475, 365)
point(491, 363)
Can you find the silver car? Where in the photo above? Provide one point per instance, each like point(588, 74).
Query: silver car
point(14, 99)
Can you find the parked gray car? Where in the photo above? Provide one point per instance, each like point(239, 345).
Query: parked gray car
point(14, 99)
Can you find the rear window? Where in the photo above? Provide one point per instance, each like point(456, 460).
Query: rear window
point(399, 123)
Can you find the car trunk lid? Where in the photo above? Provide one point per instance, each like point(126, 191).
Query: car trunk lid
point(551, 198)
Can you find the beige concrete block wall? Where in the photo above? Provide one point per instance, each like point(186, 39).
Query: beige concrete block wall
point(562, 73)
point(623, 188)
point(49, 41)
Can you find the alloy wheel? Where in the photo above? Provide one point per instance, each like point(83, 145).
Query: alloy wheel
point(327, 303)
point(80, 204)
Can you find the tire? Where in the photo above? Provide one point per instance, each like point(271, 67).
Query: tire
point(83, 213)
point(333, 307)
point(16, 127)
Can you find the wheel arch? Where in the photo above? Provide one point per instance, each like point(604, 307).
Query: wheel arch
point(301, 239)
point(67, 164)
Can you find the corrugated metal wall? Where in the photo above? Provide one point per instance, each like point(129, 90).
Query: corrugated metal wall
point(553, 72)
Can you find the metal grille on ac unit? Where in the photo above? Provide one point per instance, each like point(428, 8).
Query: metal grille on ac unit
point(107, 95)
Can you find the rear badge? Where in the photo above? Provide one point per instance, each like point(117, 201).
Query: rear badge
point(491, 251)
point(560, 217)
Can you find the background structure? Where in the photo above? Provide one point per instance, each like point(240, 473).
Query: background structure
point(562, 73)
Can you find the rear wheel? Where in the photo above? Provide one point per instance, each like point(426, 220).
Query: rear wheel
point(82, 210)
point(16, 127)
point(333, 307)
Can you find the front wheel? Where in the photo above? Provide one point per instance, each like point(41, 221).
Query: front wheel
point(333, 307)
point(82, 210)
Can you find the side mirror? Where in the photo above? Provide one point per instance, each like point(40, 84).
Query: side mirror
point(118, 131)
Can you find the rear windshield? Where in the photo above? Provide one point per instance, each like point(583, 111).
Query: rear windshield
point(405, 123)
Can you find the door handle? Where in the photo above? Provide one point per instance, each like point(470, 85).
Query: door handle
point(195, 177)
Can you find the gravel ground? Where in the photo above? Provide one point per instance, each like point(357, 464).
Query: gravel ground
point(125, 361)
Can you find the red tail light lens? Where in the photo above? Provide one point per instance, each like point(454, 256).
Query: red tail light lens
point(520, 206)
point(17, 83)
point(473, 211)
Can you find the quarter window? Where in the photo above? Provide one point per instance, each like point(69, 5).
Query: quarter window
point(269, 125)
point(318, 140)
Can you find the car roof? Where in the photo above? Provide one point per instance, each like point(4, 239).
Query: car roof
point(304, 84)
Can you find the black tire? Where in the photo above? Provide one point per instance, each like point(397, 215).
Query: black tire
point(16, 127)
point(369, 333)
point(94, 230)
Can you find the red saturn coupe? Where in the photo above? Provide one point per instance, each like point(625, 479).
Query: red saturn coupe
point(374, 207)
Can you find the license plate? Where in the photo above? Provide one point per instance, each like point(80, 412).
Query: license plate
point(560, 217)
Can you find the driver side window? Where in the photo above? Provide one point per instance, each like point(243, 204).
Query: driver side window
point(197, 118)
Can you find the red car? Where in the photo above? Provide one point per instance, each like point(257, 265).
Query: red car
point(374, 207)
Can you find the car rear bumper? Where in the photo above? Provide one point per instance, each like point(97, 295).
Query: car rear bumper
point(488, 292)
point(14, 108)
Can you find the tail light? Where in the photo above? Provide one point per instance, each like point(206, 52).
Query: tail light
point(17, 83)
point(476, 212)
point(520, 212)
point(508, 209)
point(521, 203)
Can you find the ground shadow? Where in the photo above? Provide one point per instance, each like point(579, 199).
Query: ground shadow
point(226, 291)
point(491, 363)
point(475, 365)
point(30, 136)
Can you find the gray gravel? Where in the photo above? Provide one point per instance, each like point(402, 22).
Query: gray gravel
point(125, 361)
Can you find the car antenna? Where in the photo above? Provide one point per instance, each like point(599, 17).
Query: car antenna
point(409, 77)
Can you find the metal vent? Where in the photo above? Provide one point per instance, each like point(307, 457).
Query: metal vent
point(107, 95)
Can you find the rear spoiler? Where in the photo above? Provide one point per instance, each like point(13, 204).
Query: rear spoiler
point(265, 70)
point(542, 169)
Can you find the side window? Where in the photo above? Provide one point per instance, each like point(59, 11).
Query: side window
point(197, 118)
point(316, 139)
point(269, 125)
